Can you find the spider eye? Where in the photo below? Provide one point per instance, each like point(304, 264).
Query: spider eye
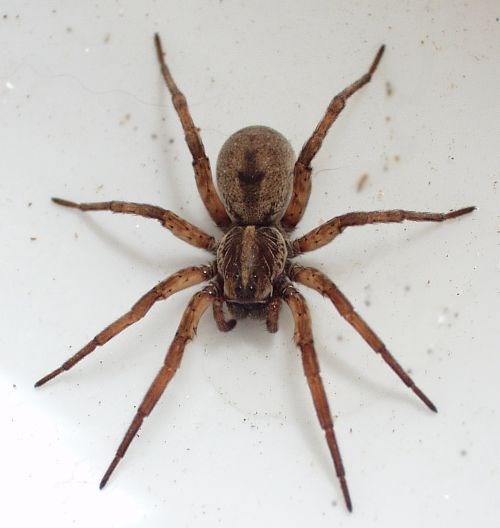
point(251, 288)
point(254, 276)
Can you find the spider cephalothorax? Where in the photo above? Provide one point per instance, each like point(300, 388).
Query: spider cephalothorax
point(264, 195)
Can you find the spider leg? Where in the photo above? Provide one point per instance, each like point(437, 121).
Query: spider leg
point(222, 324)
point(185, 332)
point(273, 314)
point(178, 281)
point(178, 226)
point(302, 169)
point(201, 164)
point(318, 281)
point(326, 232)
point(304, 339)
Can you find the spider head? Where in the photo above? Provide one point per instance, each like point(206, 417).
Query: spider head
point(250, 259)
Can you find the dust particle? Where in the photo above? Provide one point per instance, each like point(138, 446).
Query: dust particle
point(125, 119)
point(362, 181)
point(389, 90)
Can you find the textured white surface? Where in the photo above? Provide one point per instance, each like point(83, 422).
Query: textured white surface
point(235, 441)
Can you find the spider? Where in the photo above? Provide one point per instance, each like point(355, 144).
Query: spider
point(264, 196)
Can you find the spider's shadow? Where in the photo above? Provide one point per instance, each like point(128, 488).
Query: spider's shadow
point(119, 244)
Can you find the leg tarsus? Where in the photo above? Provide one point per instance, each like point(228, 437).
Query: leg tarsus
point(326, 232)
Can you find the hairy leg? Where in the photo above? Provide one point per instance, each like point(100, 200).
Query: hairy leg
point(304, 339)
point(178, 226)
point(318, 281)
point(178, 281)
point(302, 169)
point(185, 332)
point(273, 314)
point(326, 232)
point(201, 163)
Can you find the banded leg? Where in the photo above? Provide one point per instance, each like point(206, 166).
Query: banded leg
point(178, 281)
point(201, 164)
point(185, 332)
point(302, 169)
point(178, 226)
point(304, 340)
point(318, 281)
point(326, 232)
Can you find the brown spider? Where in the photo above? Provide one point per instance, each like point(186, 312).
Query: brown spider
point(264, 196)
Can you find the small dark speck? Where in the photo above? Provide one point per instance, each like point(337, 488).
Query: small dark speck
point(154, 136)
point(334, 503)
point(171, 140)
point(30, 204)
point(463, 452)
point(407, 288)
point(429, 351)
point(389, 90)
point(5, 17)
point(14, 386)
point(69, 29)
point(340, 338)
point(368, 303)
point(107, 38)
point(33, 238)
point(409, 371)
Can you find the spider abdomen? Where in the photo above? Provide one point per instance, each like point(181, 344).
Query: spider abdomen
point(255, 175)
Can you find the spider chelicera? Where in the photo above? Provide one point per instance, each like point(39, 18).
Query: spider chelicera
point(264, 195)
